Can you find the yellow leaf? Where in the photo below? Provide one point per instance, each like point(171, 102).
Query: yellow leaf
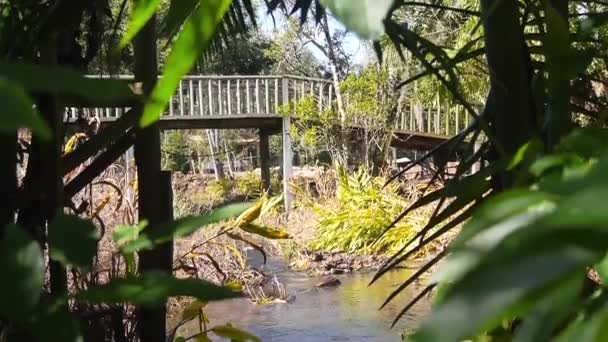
point(192, 310)
point(233, 285)
point(271, 203)
point(252, 213)
point(102, 204)
point(72, 142)
point(233, 333)
point(264, 231)
point(179, 339)
point(135, 184)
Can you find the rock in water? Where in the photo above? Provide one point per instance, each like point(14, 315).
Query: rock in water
point(329, 282)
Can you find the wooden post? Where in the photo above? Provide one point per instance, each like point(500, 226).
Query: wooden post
point(264, 160)
point(181, 98)
point(200, 98)
point(238, 96)
point(151, 322)
point(287, 152)
point(158, 259)
point(191, 96)
point(476, 166)
point(267, 96)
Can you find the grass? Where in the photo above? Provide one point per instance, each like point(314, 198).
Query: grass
point(362, 208)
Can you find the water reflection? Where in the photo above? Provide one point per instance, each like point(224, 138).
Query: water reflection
point(348, 312)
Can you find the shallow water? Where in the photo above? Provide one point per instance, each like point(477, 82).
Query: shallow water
point(348, 312)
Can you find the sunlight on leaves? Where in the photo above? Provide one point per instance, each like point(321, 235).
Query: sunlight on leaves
point(142, 12)
point(364, 17)
point(191, 41)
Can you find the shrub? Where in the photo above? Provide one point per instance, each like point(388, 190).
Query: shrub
point(362, 210)
point(249, 184)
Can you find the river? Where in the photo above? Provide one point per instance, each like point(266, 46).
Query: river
point(348, 312)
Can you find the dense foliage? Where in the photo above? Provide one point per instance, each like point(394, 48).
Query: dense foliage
point(363, 209)
point(535, 221)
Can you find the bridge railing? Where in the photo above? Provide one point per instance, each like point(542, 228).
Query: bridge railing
point(262, 95)
point(438, 119)
point(202, 95)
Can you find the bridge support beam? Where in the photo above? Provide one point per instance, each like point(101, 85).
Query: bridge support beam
point(287, 163)
point(264, 160)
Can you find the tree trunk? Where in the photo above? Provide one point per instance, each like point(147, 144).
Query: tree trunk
point(151, 322)
point(333, 61)
point(218, 168)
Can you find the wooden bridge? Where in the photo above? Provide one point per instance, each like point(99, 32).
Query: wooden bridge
point(233, 102)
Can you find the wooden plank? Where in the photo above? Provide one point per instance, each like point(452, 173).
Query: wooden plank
point(257, 97)
point(276, 95)
point(267, 96)
point(191, 99)
point(229, 90)
point(238, 96)
point(210, 95)
point(181, 98)
point(270, 123)
point(200, 98)
point(219, 98)
point(248, 99)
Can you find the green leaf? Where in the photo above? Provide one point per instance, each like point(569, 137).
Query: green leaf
point(593, 329)
point(36, 78)
point(550, 311)
point(196, 34)
point(54, 323)
point(602, 269)
point(364, 17)
point(504, 286)
point(179, 11)
point(22, 269)
point(202, 338)
point(586, 142)
point(583, 209)
point(228, 331)
point(142, 12)
point(499, 210)
point(19, 111)
point(192, 310)
point(183, 227)
point(528, 151)
point(73, 240)
point(549, 162)
point(152, 289)
point(558, 37)
point(125, 233)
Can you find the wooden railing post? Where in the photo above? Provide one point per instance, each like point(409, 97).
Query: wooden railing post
point(287, 152)
point(264, 160)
